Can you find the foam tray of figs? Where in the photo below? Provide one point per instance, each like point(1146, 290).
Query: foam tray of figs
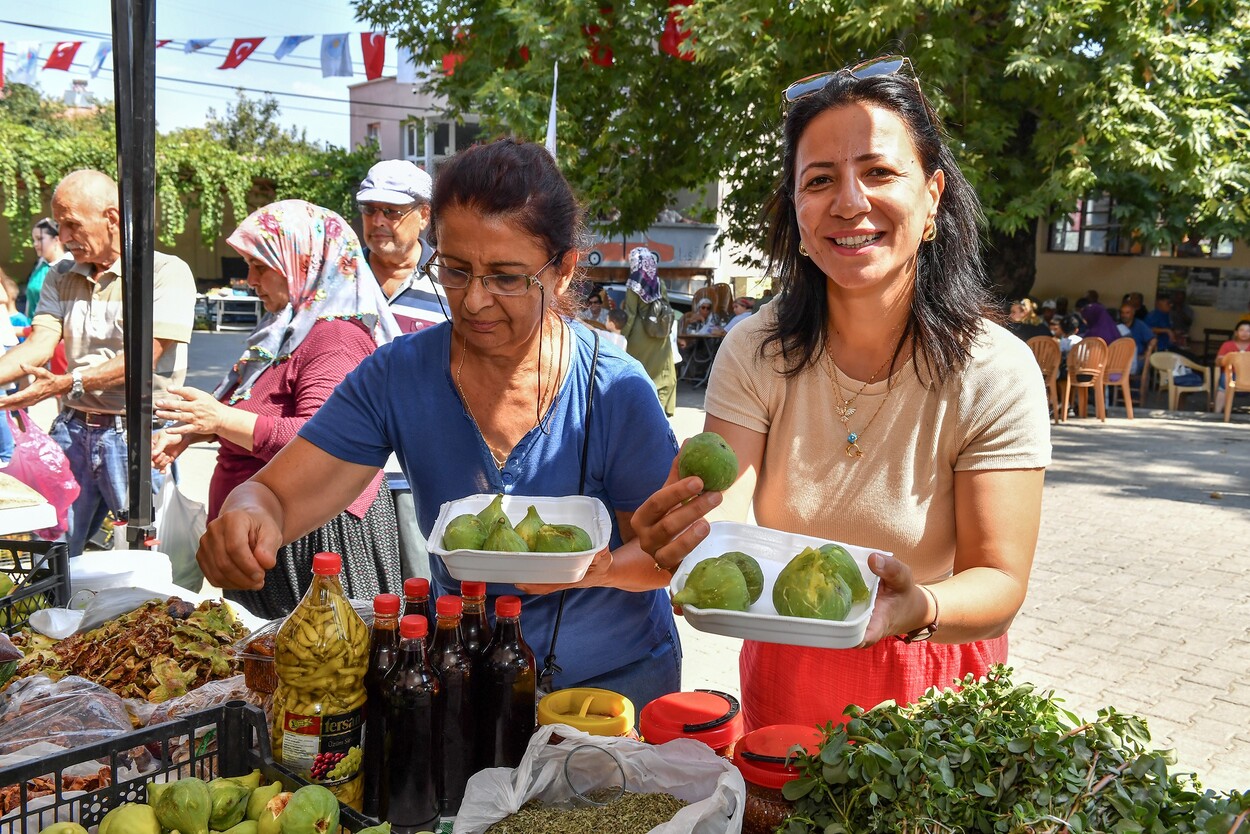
point(773, 550)
point(549, 527)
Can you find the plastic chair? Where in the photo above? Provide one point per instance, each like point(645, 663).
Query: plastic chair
point(1087, 360)
point(1144, 374)
point(1236, 380)
point(1120, 356)
point(1164, 363)
point(723, 300)
point(1046, 351)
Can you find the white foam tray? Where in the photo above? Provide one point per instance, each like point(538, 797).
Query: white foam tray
point(774, 549)
point(523, 568)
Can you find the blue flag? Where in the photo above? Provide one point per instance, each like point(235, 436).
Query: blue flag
point(336, 56)
point(101, 55)
point(288, 45)
point(196, 46)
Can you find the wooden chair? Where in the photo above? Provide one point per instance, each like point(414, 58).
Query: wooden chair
point(1120, 356)
point(1236, 380)
point(702, 293)
point(1087, 360)
point(1164, 364)
point(1144, 374)
point(1046, 351)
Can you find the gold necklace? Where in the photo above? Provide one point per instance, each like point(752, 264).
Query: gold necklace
point(501, 460)
point(846, 409)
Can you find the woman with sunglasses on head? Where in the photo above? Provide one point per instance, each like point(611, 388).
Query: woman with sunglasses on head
point(876, 402)
point(324, 314)
point(494, 401)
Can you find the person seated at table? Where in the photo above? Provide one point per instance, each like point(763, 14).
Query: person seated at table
point(742, 309)
point(1024, 320)
point(1136, 329)
point(1070, 327)
point(1159, 320)
point(698, 322)
point(1240, 343)
point(594, 309)
point(1047, 311)
point(1098, 322)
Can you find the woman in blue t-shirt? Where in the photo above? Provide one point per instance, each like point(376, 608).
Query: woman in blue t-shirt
point(494, 401)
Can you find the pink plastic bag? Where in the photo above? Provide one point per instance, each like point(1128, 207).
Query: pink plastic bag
point(40, 463)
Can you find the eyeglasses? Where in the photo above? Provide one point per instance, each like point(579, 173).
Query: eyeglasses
point(497, 284)
point(388, 212)
point(885, 65)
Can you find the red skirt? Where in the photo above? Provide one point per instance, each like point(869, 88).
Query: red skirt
point(796, 685)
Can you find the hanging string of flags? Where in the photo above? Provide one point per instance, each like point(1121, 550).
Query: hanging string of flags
point(336, 56)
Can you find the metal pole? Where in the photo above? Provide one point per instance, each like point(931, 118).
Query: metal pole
point(134, 62)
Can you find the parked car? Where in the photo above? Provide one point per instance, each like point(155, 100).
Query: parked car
point(680, 300)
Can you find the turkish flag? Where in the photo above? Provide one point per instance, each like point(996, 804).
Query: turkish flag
point(374, 48)
point(599, 54)
point(159, 44)
point(674, 35)
point(239, 52)
point(62, 55)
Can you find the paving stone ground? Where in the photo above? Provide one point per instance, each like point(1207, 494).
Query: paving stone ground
point(1140, 592)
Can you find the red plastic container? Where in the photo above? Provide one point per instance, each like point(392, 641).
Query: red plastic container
point(714, 718)
point(764, 758)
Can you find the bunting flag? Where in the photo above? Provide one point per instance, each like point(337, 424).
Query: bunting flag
point(551, 116)
point(196, 46)
point(406, 68)
point(336, 56)
point(1, 65)
point(27, 63)
point(674, 36)
point(102, 51)
point(373, 51)
point(239, 51)
point(599, 54)
point(450, 61)
point(288, 45)
point(62, 55)
point(159, 44)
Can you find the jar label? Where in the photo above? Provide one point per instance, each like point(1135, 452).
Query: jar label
point(325, 747)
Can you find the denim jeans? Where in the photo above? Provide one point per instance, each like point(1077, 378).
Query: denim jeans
point(97, 457)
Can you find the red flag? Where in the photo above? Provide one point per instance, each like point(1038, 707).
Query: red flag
point(373, 46)
point(62, 55)
point(675, 35)
point(450, 61)
point(1, 65)
point(159, 44)
point(239, 51)
point(599, 54)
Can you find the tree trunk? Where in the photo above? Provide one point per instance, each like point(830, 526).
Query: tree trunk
point(1011, 262)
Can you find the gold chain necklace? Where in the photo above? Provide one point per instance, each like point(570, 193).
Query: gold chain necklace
point(846, 409)
point(502, 460)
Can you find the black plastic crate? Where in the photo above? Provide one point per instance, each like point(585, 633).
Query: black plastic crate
point(229, 740)
point(40, 574)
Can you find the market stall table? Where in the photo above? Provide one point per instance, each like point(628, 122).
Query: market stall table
point(697, 366)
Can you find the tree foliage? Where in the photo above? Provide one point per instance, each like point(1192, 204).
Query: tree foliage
point(1045, 100)
point(219, 172)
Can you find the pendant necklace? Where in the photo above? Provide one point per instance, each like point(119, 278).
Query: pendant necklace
point(847, 407)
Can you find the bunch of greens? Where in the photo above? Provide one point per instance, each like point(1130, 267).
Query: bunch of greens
point(993, 757)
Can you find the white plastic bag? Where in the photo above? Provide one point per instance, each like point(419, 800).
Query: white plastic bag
point(685, 768)
point(179, 524)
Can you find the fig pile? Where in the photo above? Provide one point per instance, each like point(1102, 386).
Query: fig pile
point(492, 531)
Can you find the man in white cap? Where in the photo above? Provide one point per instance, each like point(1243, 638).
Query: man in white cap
point(394, 202)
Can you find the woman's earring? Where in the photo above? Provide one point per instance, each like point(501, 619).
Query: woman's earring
point(802, 249)
point(930, 231)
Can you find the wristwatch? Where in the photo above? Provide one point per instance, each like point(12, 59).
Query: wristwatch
point(923, 633)
point(75, 389)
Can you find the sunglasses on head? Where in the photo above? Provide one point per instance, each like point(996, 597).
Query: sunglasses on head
point(885, 65)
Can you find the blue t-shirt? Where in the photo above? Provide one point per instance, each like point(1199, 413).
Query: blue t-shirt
point(403, 398)
point(1141, 333)
point(1158, 318)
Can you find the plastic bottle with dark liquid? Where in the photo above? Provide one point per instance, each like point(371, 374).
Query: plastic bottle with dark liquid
point(474, 627)
point(417, 602)
point(410, 801)
point(383, 652)
point(503, 691)
point(454, 666)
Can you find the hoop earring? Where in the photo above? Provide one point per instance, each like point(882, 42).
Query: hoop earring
point(803, 249)
point(930, 232)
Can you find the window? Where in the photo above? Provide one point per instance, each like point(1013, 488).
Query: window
point(414, 140)
point(1092, 228)
point(373, 131)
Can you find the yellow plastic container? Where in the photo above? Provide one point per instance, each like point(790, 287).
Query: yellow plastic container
point(321, 654)
point(598, 712)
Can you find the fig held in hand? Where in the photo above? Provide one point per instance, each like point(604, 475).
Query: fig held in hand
point(711, 458)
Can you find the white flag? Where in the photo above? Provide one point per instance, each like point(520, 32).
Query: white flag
point(551, 117)
point(406, 71)
point(27, 63)
point(336, 56)
point(101, 55)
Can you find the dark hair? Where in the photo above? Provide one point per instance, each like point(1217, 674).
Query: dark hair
point(1071, 323)
point(593, 296)
point(48, 226)
point(1238, 325)
point(618, 316)
point(950, 295)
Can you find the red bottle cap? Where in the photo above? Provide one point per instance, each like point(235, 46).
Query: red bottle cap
point(714, 718)
point(417, 587)
point(327, 564)
point(473, 589)
point(413, 626)
point(764, 755)
point(386, 605)
point(508, 607)
point(449, 606)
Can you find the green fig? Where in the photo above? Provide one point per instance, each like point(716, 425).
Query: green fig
point(848, 569)
point(711, 458)
point(492, 513)
point(751, 572)
point(131, 818)
point(251, 781)
point(185, 805)
point(64, 828)
point(269, 820)
point(260, 797)
point(384, 828)
point(811, 586)
point(154, 791)
point(503, 539)
point(551, 538)
point(229, 800)
point(312, 810)
point(581, 539)
point(245, 827)
point(464, 532)
point(715, 583)
point(529, 526)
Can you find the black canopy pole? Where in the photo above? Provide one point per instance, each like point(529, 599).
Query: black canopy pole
point(134, 74)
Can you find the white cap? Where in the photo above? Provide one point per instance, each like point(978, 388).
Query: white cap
point(395, 182)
